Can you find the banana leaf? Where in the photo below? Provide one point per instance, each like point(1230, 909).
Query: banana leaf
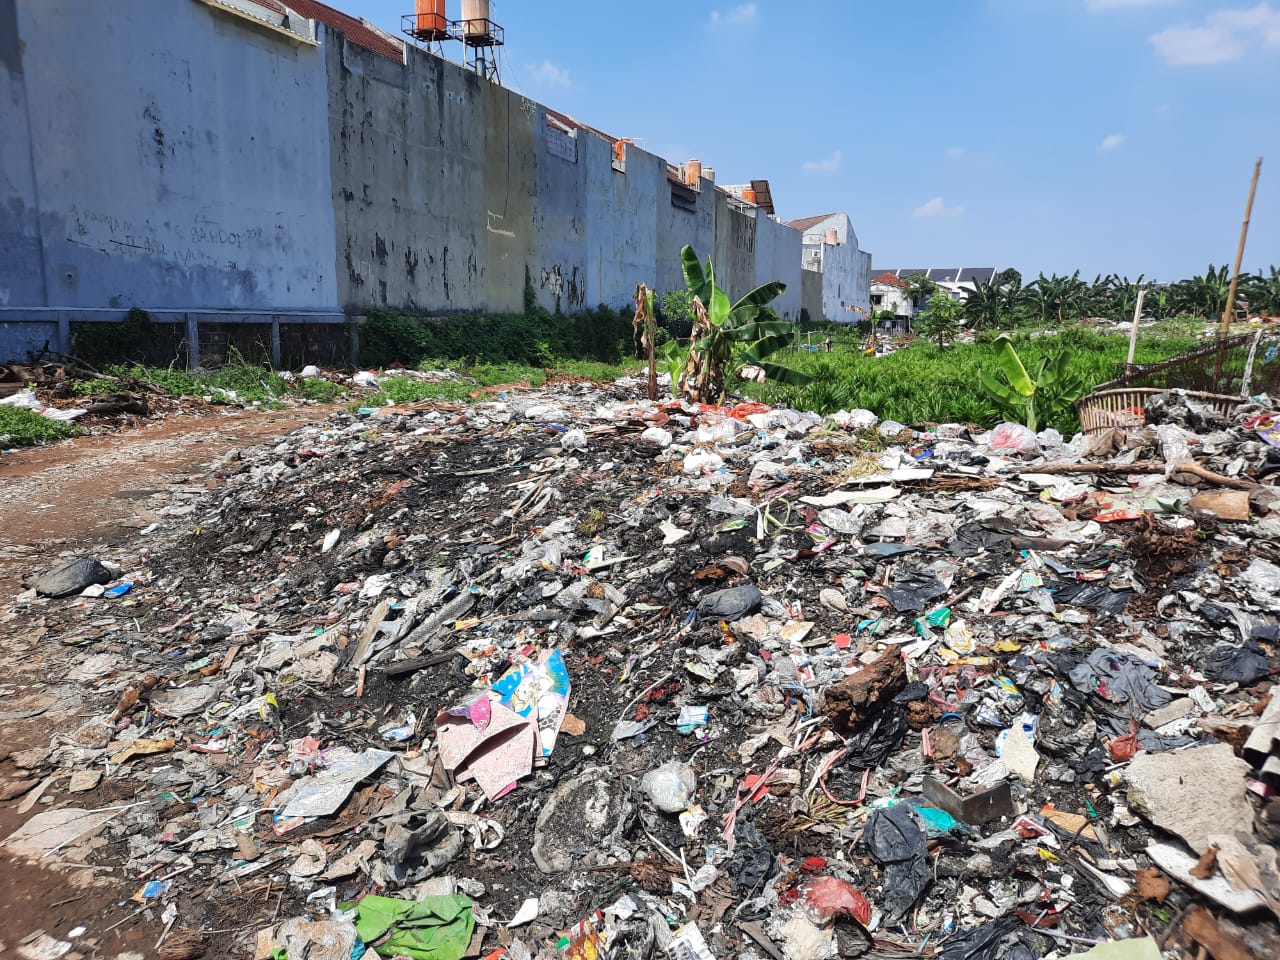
point(763, 294)
point(1011, 366)
point(784, 375)
point(760, 329)
point(764, 347)
point(1000, 391)
point(694, 277)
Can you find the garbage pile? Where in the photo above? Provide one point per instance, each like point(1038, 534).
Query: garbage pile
point(564, 674)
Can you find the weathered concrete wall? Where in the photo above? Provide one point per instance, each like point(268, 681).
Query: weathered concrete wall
point(811, 294)
point(21, 256)
point(622, 221)
point(778, 258)
point(179, 161)
point(558, 269)
point(678, 226)
point(416, 175)
point(197, 161)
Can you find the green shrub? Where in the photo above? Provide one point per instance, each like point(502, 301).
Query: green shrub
point(538, 338)
point(22, 428)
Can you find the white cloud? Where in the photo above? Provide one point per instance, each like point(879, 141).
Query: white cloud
point(548, 74)
point(955, 151)
point(1221, 37)
point(1117, 4)
point(936, 208)
point(743, 15)
point(830, 165)
point(1111, 141)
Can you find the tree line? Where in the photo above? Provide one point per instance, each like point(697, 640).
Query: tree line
point(1005, 302)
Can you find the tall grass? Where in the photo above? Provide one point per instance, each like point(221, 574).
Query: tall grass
point(924, 383)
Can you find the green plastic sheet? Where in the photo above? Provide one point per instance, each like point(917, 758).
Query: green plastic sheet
point(433, 928)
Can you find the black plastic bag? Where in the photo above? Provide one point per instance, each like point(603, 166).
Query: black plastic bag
point(895, 840)
point(1231, 664)
point(876, 738)
point(980, 943)
point(753, 863)
point(912, 590)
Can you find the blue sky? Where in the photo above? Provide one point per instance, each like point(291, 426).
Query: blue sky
point(1104, 135)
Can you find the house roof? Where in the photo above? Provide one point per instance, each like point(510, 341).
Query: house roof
point(889, 279)
point(808, 223)
point(946, 274)
point(359, 32)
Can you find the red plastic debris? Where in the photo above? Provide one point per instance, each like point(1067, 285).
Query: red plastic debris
point(812, 865)
point(1124, 748)
point(826, 898)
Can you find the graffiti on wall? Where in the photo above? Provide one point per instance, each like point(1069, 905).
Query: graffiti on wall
point(198, 242)
point(571, 290)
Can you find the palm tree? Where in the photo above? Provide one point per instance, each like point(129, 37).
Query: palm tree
point(984, 306)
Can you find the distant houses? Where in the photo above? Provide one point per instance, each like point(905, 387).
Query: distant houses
point(890, 289)
point(836, 273)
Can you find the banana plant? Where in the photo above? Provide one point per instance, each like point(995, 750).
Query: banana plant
point(728, 336)
point(1049, 391)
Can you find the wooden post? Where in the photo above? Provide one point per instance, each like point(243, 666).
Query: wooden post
point(1244, 233)
point(1133, 334)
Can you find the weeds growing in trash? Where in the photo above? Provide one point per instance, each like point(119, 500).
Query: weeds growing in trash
point(23, 428)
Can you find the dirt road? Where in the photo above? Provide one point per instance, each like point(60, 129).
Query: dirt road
point(80, 494)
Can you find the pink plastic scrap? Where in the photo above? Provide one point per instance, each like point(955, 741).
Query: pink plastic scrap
point(496, 755)
point(826, 898)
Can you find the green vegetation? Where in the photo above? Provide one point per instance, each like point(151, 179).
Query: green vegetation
point(22, 428)
point(538, 338)
point(1055, 301)
point(727, 337)
point(1049, 394)
point(925, 384)
point(941, 320)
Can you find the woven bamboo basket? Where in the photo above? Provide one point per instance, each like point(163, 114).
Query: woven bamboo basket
point(1126, 406)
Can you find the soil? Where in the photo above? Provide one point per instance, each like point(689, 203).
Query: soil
point(86, 492)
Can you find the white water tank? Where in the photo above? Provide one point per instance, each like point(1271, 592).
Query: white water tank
point(475, 18)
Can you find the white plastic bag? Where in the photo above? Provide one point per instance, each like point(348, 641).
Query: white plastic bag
point(1013, 438)
point(23, 400)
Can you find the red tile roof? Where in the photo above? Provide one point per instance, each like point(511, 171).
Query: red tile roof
point(890, 280)
point(807, 222)
point(357, 31)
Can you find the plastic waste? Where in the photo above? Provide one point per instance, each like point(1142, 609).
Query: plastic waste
point(671, 786)
point(702, 461)
point(1231, 664)
point(895, 841)
point(365, 378)
point(827, 898)
point(432, 928)
point(574, 440)
point(732, 604)
point(1014, 438)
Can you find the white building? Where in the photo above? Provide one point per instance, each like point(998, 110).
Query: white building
point(831, 251)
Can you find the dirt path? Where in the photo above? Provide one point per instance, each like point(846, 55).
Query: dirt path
point(82, 493)
point(92, 490)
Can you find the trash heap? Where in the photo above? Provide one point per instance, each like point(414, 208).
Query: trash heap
point(563, 674)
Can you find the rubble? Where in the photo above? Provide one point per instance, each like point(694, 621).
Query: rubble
point(560, 673)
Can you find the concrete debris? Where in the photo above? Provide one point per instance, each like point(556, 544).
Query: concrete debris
point(661, 679)
point(1193, 793)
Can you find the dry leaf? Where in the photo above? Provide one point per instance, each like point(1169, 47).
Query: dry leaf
point(573, 726)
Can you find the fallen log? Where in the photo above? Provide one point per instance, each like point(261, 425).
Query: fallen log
point(1148, 467)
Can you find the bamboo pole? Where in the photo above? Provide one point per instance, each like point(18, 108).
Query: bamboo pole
point(1244, 233)
point(1133, 334)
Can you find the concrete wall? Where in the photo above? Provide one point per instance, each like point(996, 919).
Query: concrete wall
point(778, 258)
point(179, 160)
point(196, 161)
point(811, 293)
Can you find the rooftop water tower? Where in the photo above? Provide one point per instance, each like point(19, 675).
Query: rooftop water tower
point(480, 36)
